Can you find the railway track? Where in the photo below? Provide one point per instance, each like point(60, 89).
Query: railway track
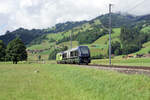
point(117, 66)
point(122, 69)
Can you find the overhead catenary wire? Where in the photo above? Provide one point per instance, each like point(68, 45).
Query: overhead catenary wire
point(132, 8)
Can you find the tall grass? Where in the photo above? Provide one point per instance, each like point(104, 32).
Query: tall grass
point(66, 82)
point(121, 61)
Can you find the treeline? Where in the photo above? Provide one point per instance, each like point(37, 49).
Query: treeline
point(15, 51)
point(131, 40)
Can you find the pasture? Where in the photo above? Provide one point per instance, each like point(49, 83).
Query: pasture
point(122, 61)
point(69, 82)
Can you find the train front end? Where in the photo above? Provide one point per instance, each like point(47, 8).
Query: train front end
point(84, 54)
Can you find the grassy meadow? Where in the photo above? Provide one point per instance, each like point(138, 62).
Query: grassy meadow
point(122, 61)
point(145, 49)
point(67, 82)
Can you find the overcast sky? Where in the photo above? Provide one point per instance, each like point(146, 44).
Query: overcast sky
point(46, 13)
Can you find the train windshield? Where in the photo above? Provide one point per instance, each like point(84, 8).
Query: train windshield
point(84, 50)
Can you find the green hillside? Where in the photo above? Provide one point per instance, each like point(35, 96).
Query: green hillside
point(145, 49)
point(54, 38)
point(98, 48)
point(93, 33)
point(27, 36)
point(146, 46)
point(102, 43)
point(62, 38)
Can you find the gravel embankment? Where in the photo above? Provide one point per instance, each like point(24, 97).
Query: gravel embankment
point(122, 69)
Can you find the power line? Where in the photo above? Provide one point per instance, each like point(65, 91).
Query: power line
point(135, 6)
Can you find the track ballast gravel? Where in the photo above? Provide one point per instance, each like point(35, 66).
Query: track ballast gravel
point(122, 69)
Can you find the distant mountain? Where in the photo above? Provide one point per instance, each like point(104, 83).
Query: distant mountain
point(28, 35)
point(144, 17)
point(118, 20)
point(60, 27)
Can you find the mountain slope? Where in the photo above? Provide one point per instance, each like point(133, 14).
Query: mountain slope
point(92, 33)
point(28, 35)
point(100, 22)
point(65, 36)
point(118, 20)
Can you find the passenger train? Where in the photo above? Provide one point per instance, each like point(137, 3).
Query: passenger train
point(79, 55)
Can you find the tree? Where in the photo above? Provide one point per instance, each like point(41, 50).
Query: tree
point(16, 51)
point(116, 48)
point(131, 40)
point(2, 51)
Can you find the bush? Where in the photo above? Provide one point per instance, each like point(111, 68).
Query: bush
point(131, 48)
point(116, 48)
point(118, 51)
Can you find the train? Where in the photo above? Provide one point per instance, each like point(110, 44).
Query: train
point(78, 55)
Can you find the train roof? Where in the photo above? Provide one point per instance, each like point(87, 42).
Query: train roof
point(71, 49)
point(75, 48)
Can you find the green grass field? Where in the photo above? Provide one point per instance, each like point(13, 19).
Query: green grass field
point(121, 61)
point(66, 82)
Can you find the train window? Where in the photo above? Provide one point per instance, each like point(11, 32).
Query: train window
point(65, 55)
point(84, 50)
point(76, 53)
point(72, 54)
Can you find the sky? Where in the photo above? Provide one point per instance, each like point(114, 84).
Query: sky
point(41, 14)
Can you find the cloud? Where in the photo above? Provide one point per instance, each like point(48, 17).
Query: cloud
point(46, 13)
